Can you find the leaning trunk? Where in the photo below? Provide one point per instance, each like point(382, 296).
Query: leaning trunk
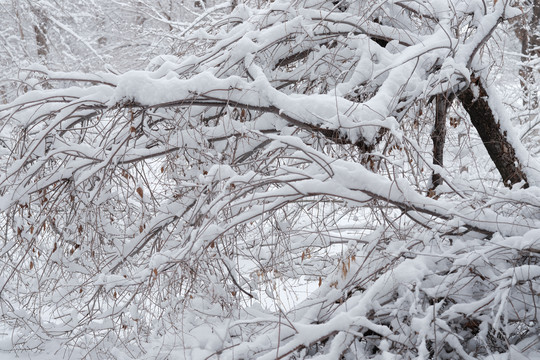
point(495, 140)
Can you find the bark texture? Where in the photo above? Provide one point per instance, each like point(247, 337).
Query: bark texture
point(438, 134)
point(495, 140)
point(527, 31)
point(40, 30)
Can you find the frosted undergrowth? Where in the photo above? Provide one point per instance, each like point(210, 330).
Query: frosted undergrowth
point(270, 194)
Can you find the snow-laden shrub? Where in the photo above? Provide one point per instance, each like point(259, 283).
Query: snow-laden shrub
point(303, 180)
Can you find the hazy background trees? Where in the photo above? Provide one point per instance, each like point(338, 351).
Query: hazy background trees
point(270, 180)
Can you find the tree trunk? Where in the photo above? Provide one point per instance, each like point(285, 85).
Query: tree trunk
point(495, 140)
point(438, 134)
point(527, 33)
point(40, 30)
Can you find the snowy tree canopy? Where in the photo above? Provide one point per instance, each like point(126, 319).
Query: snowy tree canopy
point(306, 179)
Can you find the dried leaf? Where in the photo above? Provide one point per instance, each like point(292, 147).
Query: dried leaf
point(140, 191)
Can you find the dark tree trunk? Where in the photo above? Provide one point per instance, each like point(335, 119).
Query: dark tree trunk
point(527, 32)
point(40, 30)
point(438, 134)
point(500, 150)
point(41, 41)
